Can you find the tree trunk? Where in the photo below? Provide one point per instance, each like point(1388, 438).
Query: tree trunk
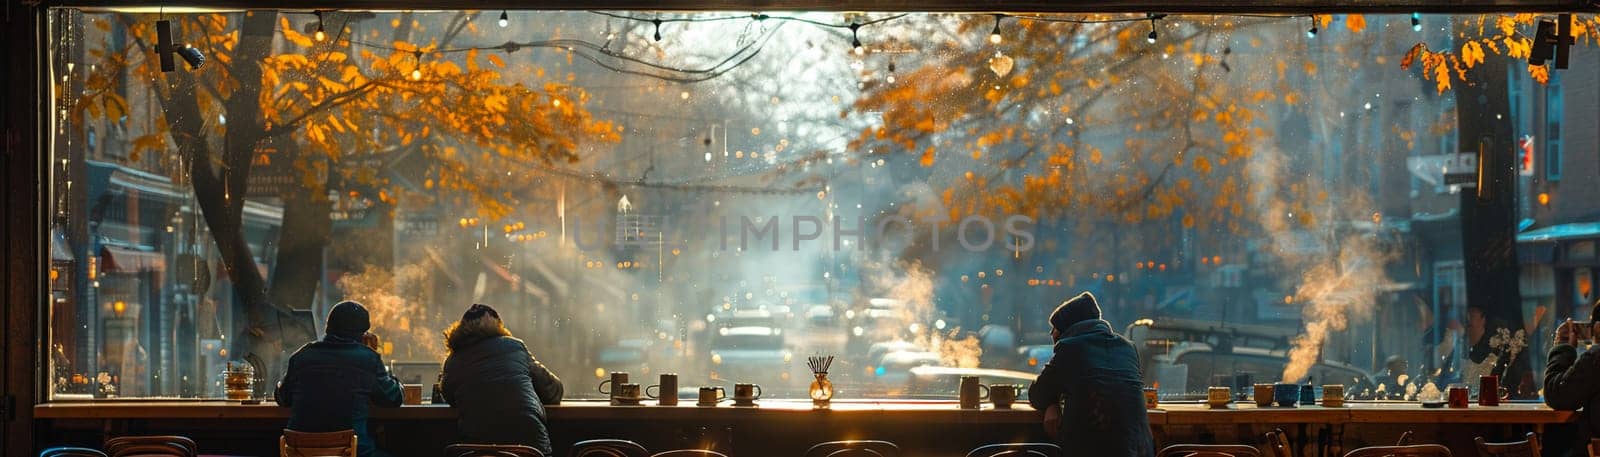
point(1488, 213)
point(220, 184)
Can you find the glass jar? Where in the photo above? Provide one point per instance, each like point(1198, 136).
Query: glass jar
point(239, 380)
point(821, 390)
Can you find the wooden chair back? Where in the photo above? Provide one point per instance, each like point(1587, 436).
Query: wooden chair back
point(1019, 453)
point(855, 452)
point(1415, 450)
point(608, 448)
point(883, 448)
point(690, 453)
point(308, 444)
point(1525, 448)
point(67, 451)
point(1209, 450)
point(1594, 447)
point(1405, 438)
point(180, 445)
point(1278, 443)
point(490, 450)
point(1017, 449)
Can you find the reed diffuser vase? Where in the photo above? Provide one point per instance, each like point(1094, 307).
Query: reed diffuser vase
point(821, 391)
point(822, 388)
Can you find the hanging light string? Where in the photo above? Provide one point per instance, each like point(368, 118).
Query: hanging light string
point(747, 52)
point(583, 49)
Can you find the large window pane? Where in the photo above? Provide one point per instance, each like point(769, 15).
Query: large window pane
point(725, 196)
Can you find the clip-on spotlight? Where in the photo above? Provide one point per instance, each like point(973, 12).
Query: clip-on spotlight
point(165, 49)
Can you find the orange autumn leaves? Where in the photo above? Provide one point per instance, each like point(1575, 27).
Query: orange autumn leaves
point(353, 109)
point(1509, 35)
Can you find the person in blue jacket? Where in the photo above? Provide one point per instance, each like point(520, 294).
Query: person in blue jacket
point(331, 383)
point(1091, 391)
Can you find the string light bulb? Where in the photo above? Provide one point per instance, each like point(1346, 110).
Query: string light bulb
point(1312, 32)
point(890, 78)
point(855, 39)
point(657, 23)
point(505, 19)
point(1416, 22)
point(416, 73)
point(321, 34)
point(994, 35)
point(1151, 38)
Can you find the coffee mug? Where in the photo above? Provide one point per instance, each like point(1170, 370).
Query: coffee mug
point(971, 398)
point(1263, 395)
point(617, 377)
point(1333, 395)
point(411, 393)
point(1286, 394)
point(1151, 398)
point(711, 395)
point(1308, 395)
point(1004, 395)
point(1218, 396)
point(667, 390)
point(746, 393)
point(628, 392)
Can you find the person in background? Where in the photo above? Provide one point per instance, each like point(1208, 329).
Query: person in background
point(496, 386)
point(1091, 391)
point(1572, 383)
point(1392, 384)
point(330, 383)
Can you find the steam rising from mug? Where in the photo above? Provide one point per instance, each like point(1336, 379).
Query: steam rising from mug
point(1341, 264)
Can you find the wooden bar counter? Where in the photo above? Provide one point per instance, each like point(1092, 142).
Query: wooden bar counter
point(922, 428)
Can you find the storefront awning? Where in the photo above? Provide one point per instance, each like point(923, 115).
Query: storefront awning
point(1561, 232)
point(123, 260)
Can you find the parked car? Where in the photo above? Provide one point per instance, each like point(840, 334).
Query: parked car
point(933, 381)
point(1033, 357)
point(751, 354)
point(821, 316)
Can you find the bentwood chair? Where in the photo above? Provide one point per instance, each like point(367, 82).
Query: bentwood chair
point(1416, 450)
point(1019, 453)
point(1525, 448)
point(1278, 443)
point(1405, 438)
point(855, 452)
point(1209, 450)
point(827, 449)
point(1019, 449)
point(179, 445)
point(491, 450)
point(65, 451)
point(608, 448)
point(1594, 447)
point(307, 444)
point(690, 453)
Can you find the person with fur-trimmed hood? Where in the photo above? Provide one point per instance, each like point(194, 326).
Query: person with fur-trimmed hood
point(495, 385)
point(1091, 391)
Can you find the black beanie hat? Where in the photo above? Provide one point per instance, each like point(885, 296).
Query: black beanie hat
point(1075, 310)
point(348, 320)
point(479, 310)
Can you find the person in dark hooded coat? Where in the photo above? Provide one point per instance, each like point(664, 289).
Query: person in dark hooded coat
point(496, 386)
point(330, 383)
point(1091, 391)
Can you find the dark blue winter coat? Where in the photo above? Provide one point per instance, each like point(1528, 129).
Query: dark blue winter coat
point(330, 385)
point(498, 390)
point(1095, 374)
